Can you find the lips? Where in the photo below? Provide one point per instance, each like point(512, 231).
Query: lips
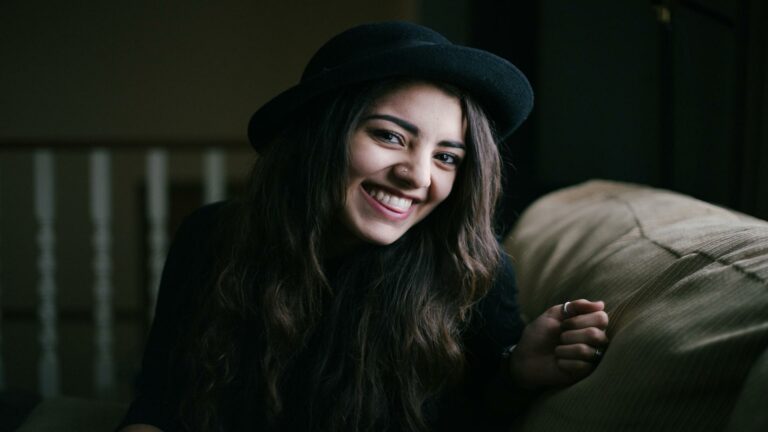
point(391, 206)
point(387, 199)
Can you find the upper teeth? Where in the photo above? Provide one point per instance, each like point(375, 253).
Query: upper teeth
point(390, 200)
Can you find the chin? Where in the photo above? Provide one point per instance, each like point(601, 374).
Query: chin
point(379, 239)
point(376, 234)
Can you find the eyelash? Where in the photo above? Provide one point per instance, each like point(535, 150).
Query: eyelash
point(388, 136)
point(455, 159)
point(395, 138)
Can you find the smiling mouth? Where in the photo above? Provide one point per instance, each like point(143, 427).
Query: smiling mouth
point(392, 202)
point(392, 207)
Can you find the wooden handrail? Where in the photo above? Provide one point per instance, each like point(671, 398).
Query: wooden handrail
point(121, 144)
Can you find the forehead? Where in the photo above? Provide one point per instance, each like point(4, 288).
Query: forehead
point(422, 102)
point(410, 91)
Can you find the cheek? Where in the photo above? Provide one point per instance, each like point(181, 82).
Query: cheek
point(363, 162)
point(442, 186)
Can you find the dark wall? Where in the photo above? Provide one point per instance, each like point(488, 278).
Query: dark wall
point(509, 29)
point(668, 93)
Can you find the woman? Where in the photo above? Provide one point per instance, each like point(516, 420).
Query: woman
point(360, 286)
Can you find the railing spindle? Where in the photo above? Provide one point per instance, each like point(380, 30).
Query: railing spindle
point(2, 369)
point(157, 214)
point(101, 215)
point(214, 175)
point(48, 366)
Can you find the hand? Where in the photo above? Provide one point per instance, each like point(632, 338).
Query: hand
point(557, 350)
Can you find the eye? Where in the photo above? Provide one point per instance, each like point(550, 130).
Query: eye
point(448, 158)
point(387, 136)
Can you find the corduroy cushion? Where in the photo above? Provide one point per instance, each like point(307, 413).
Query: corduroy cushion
point(686, 287)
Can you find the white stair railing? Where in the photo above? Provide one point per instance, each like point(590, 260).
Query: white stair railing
point(101, 215)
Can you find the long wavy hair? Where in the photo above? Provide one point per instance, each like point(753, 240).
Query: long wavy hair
point(352, 344)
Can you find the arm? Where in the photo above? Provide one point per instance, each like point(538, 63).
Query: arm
point(161, 382)
point(554, 350)
point(558, 349)
point(507, 383)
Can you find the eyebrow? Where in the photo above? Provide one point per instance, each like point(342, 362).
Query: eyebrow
point(412, 128)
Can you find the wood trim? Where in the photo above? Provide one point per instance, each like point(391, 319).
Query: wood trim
point(71, 314)
point(120, 144)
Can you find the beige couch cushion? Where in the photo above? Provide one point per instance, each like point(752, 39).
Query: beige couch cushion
point(686, 287)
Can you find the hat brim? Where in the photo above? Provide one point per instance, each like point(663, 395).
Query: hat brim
point(495, 83)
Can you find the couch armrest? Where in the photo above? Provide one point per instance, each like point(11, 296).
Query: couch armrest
point(685, 284)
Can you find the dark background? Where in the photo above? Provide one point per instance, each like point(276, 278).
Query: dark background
point(670, 94)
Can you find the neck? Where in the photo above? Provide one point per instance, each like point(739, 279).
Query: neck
point(339, 243)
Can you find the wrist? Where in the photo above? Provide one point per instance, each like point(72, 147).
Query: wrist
point(514, 363)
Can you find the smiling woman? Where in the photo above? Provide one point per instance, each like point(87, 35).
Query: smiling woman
point(403, 160)
point(359, 284)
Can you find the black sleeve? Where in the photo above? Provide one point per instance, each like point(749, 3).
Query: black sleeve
point(187, 267)
point(495, 325)
point(499, 323)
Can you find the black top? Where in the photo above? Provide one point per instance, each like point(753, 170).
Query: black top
point(495, 325)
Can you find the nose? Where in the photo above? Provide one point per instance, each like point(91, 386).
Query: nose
point(415, 172)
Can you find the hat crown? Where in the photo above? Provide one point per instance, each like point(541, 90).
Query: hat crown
point(387, 50)
point(368, 40)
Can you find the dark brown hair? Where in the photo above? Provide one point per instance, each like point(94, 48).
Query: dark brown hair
point(358, 343)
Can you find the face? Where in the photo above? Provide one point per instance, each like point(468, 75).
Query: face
point(404, 157)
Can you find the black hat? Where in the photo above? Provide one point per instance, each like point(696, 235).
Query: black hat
point(394, 49)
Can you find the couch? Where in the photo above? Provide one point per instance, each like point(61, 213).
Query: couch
point(685, 284)
point(686, 287)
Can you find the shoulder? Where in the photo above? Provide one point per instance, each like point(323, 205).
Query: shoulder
point(204, 228)
point(192, 255)
point(206, 219)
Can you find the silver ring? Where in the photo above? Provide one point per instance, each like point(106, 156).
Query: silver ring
point(565, 309)
point(598, 355)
